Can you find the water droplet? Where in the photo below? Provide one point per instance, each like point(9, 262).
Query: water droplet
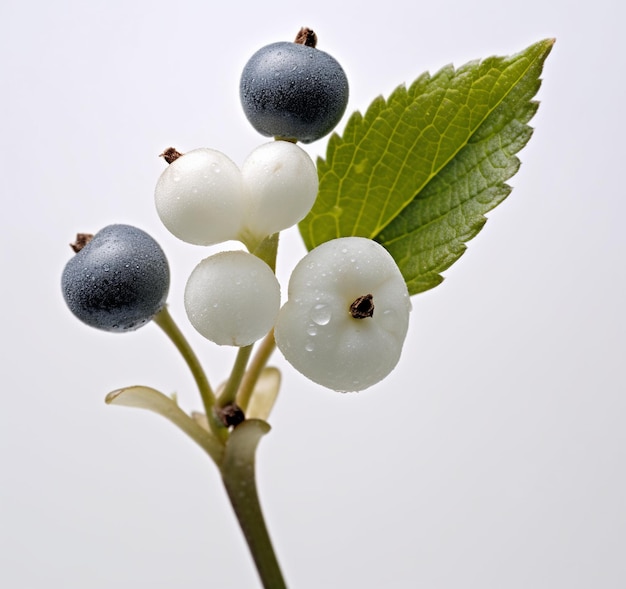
point(344, 250)
point(312, 330)
point(321, 314)
point(106, 267)
point(389, 319)
point(309, 347)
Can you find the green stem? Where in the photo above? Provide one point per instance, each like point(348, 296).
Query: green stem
point(266, 250)
point(253, 373)
point(239, 368)
point(166, 322)
point(238, 474)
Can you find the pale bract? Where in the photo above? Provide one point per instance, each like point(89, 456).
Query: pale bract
point(280, 186)
point(232, 298)
point(316, 330)
point(199, 197)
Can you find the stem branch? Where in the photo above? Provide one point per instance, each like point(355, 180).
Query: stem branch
point(166, 322)
point(239, 368)
point(251, 376)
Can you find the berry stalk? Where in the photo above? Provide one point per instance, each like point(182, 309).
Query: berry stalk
point(229, 394)
point(165, 321)
point(250, 378)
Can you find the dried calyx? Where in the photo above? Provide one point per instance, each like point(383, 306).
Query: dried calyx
point(362, 307)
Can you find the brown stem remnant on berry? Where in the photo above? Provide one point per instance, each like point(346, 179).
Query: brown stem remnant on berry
point(171, 154)
point(231, 415)
point(82, 239)
point(363, 307)
point(306, 37)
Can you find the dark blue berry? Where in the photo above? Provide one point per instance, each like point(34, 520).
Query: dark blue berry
point(293, 91)
point(118, 281)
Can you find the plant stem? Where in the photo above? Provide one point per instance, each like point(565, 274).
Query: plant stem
point(266, 250)
point(238, 474)
point(239, 368)
point(166, 322)
point(251, 376)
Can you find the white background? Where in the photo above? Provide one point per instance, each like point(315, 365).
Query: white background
point(492, 458)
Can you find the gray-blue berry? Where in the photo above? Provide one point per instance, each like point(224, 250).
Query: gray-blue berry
point(118, 281)
point(293, 91)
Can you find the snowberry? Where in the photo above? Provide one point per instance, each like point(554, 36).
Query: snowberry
point(293, 91)
point(280, 187)
point(347, 314)
point(118, 281)
point(232, 298)
point(199, 197)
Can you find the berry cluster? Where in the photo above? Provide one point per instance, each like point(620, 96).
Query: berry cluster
point(203, 198)
point(346, 316)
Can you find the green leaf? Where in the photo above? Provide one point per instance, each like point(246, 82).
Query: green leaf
point(418, 171)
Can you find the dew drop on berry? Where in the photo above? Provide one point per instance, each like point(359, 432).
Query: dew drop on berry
point(321, 314)
point(390, 319)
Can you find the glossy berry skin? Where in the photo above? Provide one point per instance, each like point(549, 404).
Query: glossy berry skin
point(292, 91)
point(232, 298)
point(199, 197)
point(119, 281)
point(321, 330)
point(280, 186)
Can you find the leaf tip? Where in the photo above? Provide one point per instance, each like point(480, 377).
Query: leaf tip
point(112, 396)
point(546, 46)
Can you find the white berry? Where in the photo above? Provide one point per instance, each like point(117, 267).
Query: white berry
point(199, 197)
point(280, 187)
point(347, 314)
point(232, 298)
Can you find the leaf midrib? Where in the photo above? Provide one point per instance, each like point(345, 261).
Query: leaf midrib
point(434, 173)
point(438, 218)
